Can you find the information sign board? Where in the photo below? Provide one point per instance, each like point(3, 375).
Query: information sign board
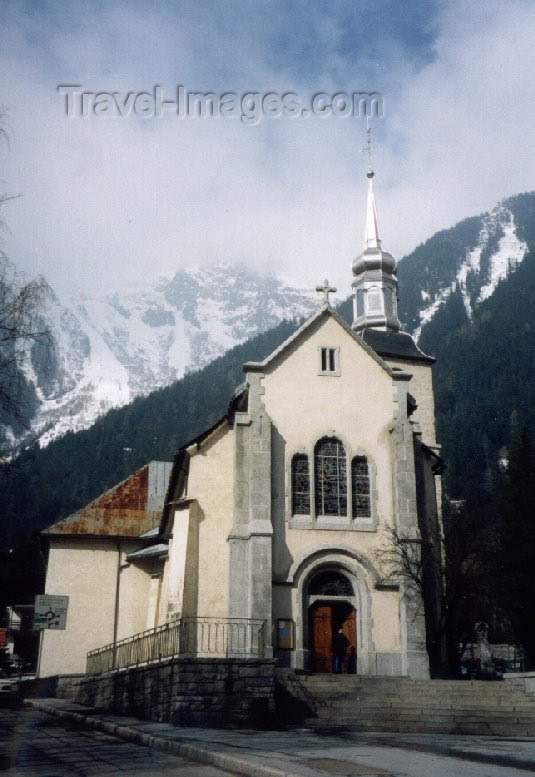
point(50, 612)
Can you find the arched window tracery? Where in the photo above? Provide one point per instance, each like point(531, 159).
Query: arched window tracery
point(330, 482)
point(330, 583)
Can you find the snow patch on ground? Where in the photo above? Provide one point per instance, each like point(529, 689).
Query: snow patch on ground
point(510, 253)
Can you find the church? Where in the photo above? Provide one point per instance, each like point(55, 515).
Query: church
point(283, 512)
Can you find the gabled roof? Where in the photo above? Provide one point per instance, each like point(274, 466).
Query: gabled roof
point(325, 311)
point(394, 345)
point(129, 509)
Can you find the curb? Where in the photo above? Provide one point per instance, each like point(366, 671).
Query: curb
point(193, 752)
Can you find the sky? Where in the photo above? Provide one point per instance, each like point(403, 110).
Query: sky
point(105, 202)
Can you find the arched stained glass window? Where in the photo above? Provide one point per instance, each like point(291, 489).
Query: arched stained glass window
point(330, 474)
point(360, 480)
point(300, 485)
point(330, 584)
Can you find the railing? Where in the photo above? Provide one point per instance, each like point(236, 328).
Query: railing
point(200, 637)
point(476, 659)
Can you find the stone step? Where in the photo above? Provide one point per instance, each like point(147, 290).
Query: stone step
point(360, 709)
point(397, 682)
point(501, 709)
point(378, 682)
point(445, 699)
point(427, 702)
point(476, 692)
point(466, 715)
point(428, 727)
point(356, 694)
point(406, 705)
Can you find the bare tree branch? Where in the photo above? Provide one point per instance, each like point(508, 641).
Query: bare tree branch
point(21, 325)
point(400, 561)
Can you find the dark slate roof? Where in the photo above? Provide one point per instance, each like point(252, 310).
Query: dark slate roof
point(396, 345)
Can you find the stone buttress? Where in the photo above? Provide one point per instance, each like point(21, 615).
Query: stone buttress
point(250, 574)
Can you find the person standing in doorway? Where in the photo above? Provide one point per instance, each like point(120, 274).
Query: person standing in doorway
point(340, 645)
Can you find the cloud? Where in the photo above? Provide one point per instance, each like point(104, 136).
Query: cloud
point(463, 125)
point(109, 202)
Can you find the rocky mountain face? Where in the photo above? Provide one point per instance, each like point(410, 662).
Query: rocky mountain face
point(107, 351)
point(471, 259)
point(467, 294)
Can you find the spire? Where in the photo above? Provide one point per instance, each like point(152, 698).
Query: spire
point(372, 239)
point(375, 284)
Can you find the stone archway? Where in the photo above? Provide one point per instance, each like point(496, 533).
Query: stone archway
point(361, 575)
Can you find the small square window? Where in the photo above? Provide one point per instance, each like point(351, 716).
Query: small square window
point(329, 361)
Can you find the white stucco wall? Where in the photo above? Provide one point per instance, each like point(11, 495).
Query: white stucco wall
point(86, 571)
point(197, 573)
point(133, 598)
point(211, 482)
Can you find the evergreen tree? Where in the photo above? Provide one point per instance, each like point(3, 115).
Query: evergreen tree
point(516, 570)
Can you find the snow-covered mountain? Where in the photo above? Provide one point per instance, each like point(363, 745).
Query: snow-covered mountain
point(107, 351)
point(471, 258)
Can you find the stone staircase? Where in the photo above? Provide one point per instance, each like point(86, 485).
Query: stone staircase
point(405, 705)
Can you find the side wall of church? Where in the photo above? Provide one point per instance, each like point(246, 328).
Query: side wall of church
point(421, 388)
point(134, 586)
point(86, 571)
point(196, 576)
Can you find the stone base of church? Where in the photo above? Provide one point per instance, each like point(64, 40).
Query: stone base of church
point(414, 664)
point(388, 664)
point(418, 664)
point(183, 691)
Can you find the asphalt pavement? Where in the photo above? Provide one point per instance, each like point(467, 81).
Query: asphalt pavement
point(35, 744)
point(307, 753)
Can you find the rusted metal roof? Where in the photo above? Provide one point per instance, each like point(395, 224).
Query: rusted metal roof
point(128, 509)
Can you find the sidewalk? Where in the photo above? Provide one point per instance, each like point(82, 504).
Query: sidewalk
point(306, 753)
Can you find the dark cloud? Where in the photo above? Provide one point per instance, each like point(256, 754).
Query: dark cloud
point(106, 201)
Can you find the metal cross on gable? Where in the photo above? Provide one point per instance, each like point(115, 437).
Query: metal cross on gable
point(326, 290)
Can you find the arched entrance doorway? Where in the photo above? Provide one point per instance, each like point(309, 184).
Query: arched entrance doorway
point(331, 610)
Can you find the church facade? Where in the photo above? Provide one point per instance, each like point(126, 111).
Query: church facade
point(292, 509)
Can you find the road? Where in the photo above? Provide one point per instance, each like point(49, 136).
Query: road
point(33, 744)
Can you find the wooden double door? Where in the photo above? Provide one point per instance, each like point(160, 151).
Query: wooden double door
point(325, 619)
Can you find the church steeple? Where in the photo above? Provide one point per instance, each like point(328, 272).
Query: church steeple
point(372, 239)
point(375, 285)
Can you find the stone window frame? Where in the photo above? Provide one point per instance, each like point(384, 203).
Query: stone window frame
point(327, 372)
point(341, 523)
